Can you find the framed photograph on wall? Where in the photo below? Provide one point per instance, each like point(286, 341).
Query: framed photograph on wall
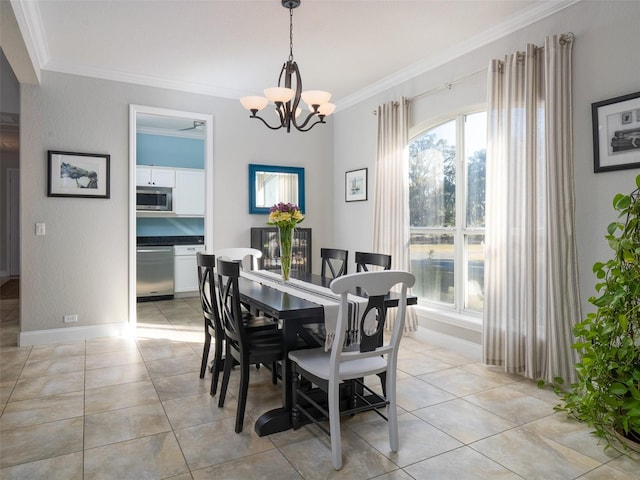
point(355, 185)
point(74, 174)
point(616, 133)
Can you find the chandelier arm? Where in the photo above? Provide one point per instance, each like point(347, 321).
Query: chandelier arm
point(302, 129)
point(281, 108)
point(267, 125)
point(307, 120)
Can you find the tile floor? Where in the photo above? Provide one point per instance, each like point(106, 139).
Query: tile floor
point(117, 408)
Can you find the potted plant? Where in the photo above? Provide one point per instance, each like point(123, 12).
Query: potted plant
point(607, 393)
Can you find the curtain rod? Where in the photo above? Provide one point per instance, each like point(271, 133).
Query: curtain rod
point(447, 85)
point(564, 38)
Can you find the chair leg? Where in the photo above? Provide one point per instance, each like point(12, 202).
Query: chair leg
point(334, 425)
point(274, 373)
point(217, 365)
point(205, 353)
point(228, 364)
point(242, 396)
point(392, 413)
point(295, 414)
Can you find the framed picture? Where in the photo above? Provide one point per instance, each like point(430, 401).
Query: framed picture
point(355, 185)
point(78, 175)
point(616, 133)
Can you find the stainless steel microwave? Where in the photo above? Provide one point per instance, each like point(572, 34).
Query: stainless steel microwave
point(157, 199)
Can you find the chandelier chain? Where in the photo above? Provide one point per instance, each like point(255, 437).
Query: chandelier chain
point(290, 34)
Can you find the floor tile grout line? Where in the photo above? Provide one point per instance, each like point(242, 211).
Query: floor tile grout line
point(173, 430)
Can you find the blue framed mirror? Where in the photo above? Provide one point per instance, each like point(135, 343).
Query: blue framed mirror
point(271, 184)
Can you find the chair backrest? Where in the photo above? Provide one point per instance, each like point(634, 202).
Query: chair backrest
point(229, 299)
point(240, 253)
point(335, 260)
point(364, 260)
point(207, 286)
point(376, 285)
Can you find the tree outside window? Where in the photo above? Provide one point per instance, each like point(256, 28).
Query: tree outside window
point(447, 205)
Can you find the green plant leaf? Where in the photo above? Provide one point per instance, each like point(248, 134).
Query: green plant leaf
point(619, 389)
point(621, 201)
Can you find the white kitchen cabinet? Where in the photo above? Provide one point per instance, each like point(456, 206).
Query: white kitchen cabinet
point(188, 197)
point(155, 177)
point(185, 268)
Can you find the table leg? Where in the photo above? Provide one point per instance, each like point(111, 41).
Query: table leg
point(279, 419)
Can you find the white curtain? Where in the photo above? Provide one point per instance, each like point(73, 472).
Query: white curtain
point(391, 217)
point(531, 282)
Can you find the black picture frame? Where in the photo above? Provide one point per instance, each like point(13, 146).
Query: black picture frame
point(356, 185)
point(75, 174)
point(616, 133)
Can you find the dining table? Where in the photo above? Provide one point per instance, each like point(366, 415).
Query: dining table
point(275, 299)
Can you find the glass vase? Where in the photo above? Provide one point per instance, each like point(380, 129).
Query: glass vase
point(285, 236)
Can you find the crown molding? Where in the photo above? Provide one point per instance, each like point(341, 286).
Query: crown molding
point(32, 30)
point(146, 80)
point(538, 12)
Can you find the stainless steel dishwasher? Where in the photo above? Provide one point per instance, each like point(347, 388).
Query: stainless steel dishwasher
point(155, 272)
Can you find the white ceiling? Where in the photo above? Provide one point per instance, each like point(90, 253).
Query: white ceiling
point(231, 48)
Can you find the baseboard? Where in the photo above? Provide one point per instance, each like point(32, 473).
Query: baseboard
point(462, 337)
point(464, 347)
point(186, 294)
point(74, 334)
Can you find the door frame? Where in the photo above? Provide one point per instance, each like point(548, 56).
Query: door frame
point(134, 110)
point(13, 222)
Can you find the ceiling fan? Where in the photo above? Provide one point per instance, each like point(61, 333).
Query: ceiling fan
point(196, 124)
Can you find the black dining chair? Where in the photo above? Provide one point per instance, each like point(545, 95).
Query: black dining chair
point(335, 260)
point(212, 322)
point(364, 260)
point(212, 326)
point(246, 346)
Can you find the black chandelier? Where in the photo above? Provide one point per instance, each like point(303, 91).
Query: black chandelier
point(287, 98)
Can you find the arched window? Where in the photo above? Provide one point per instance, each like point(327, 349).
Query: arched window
point(447, 205)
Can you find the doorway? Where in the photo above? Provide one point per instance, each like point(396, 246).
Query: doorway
point(173, 122)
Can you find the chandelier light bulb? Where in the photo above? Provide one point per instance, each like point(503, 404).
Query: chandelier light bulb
point(315, 97)
point(326, 109)
point(254, 102)
point(278, 94)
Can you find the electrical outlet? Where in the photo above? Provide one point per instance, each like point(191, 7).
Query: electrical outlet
point(70, 318)
point(40, 228)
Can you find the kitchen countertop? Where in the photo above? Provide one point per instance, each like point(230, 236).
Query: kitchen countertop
point(171, 240)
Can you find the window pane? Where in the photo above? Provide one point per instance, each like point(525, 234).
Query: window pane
point(475, 141)
point(432, 262)
point(474, 255)
point(432, 179)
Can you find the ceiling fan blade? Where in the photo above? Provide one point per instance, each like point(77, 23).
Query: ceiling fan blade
point(196, 124)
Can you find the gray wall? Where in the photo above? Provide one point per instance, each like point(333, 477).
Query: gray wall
point(81, 265)
point(606, 64)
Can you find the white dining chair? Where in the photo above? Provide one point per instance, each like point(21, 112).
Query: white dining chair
point(240, 254)
point(346, 366)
